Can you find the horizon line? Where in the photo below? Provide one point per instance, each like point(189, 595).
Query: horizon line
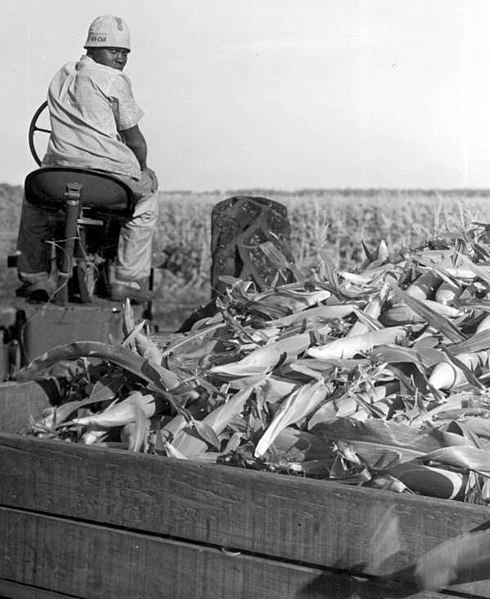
point(303, 190)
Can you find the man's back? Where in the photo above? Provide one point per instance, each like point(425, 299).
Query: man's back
point(94, 122)
point(89, 104)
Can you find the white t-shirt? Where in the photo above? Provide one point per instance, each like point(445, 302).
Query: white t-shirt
point(89, 105)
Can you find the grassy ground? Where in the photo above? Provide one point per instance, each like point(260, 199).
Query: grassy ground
point(335, 221)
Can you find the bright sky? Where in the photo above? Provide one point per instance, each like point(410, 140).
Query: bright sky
point(283, 94)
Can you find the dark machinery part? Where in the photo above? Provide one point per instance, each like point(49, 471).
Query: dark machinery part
point(85, 211)
point(242, 227)
point(33, 129)
point(251, 239)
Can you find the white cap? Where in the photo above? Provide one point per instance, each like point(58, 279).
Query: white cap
point(108, 32)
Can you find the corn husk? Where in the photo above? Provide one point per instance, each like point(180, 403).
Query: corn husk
point(377, 377)
point(351, 346)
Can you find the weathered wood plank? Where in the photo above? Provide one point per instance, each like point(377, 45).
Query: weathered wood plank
point(19, 402)
point(15, 590)
point(306, 521)
point(94, 562)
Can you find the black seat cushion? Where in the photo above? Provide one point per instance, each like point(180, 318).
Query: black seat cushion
point(103, 192)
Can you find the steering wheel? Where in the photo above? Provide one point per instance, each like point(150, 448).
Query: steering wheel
point(33, 129)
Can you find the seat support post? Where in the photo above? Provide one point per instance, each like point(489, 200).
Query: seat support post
point(73, 195)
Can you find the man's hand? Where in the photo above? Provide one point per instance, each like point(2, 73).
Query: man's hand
point(134, 139)
point(154, 181)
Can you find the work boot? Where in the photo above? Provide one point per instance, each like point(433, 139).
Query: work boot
point(137, 291)
point(35, 293)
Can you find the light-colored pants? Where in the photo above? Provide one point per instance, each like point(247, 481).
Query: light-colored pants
point(134, 250)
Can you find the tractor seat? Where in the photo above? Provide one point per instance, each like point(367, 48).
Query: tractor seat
point(100, 191)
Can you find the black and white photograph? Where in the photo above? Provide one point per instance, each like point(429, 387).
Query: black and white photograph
point(245, 299)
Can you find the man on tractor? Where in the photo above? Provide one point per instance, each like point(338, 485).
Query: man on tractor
point(94, 125)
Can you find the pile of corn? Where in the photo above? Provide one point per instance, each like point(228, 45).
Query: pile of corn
point(375, 378)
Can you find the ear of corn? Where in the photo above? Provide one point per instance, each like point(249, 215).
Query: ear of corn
point(301, 446)
point(402, 314)
point(174, 453)
point(122, 412)
point(447, 375)
point(277, 388)
point(462, 274)
point(94, 434)
point(262, 360)
point(128, 318)
point(148, 349)
point(351, 346)
point(484, 324)
point(432, 317)
point(425, 286)
point(206, 433)
point(372, 310)
point(480, 271)
point(188, 443)
point(295, 407)
point(399, 314)
point(426, 480)
point(134, 433)
point(288, 300)
point(321, 313)
point(447, 292)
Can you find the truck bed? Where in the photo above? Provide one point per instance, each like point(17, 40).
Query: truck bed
point(89, 522)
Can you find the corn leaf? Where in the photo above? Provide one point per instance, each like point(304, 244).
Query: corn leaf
point(294, 408)
point(118, 355)
point(465, 457)
point(62, 412)
point(206, 433)
point(435, 320)
point(174, 453)
point(478, 342)
point(276, 388)
point(345, 406)
point(187, 443)
point(426, 480)
point(294, 445)
point(390, 434)
point(393, 355)
point(262, 360)
point(134, 433)
point(286, 301)
point(128, 318)
point(326, 312)
point(212, 328)
point(371, 312)
point(482, 272)
point(148, 349)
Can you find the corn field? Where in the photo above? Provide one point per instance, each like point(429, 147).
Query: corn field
point(336, 222)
